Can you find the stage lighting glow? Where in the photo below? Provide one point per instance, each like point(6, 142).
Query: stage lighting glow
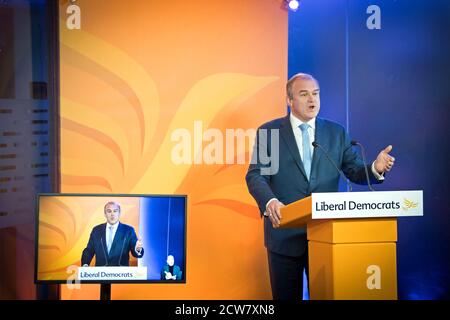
point(293, 5)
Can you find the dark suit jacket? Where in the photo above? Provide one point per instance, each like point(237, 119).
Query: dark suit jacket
point(290, 184)
point(176, 272)
point(124, 243)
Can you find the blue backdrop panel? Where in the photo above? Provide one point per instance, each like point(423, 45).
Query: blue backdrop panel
point(317, 45)
point(390, 86)
point(162, 228)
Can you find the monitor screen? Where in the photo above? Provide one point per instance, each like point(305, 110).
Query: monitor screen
point(110, 238)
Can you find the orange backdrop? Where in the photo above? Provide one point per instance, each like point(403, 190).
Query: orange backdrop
point(138, 70)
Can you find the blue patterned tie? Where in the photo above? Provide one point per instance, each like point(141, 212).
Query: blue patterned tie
point(306, 155)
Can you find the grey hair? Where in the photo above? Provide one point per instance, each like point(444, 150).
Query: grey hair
point(290, 83)
point(112, 203)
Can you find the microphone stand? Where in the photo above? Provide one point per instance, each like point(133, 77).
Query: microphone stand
point(356, 143)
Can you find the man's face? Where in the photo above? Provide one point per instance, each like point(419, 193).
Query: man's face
point(112, 213)
point(170, 260)
point(305, 100)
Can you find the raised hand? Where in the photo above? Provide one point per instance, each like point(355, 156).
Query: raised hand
point(139, 245)
point(384, 161)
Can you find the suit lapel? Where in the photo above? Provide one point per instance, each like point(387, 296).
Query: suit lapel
point(288, 136)
point(103, 239)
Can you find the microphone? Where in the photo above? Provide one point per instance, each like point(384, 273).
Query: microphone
point(356, 143)
point(104, 252)
point(121, 251)
point(316, 145)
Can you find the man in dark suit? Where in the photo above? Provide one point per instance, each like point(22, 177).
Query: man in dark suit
point(111, 242)
point(300, 171)
point(171, 271)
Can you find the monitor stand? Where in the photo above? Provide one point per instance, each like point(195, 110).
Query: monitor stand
point(105, 291)
point(48, 292)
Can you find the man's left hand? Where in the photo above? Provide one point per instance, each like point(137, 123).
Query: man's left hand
point(384, 161)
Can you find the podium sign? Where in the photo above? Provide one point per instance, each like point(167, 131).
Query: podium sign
point(112, 273)
point(337, 205)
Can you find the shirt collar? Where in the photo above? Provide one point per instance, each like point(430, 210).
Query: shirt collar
point(296, 122)
point(114, 226)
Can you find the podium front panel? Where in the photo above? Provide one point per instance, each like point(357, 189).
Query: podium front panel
point(354, 271)
point(353, 230)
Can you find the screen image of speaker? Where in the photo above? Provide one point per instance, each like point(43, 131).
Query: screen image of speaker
point(110, 238)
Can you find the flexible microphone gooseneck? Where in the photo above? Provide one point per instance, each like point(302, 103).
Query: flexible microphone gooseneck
point(104, 252)
point(356, 143)
point(123, 245)
point(316, 145)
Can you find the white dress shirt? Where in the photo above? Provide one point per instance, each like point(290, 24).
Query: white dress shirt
point(113, 230)
point(295, 123)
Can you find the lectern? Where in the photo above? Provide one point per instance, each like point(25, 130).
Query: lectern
point(353, 255)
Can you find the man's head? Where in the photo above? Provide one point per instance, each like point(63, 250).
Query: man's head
point(170, 260)
point(302, 96)
point(112, 212)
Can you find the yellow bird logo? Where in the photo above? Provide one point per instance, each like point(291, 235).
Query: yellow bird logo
point(140, 273)
point(407, 204)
